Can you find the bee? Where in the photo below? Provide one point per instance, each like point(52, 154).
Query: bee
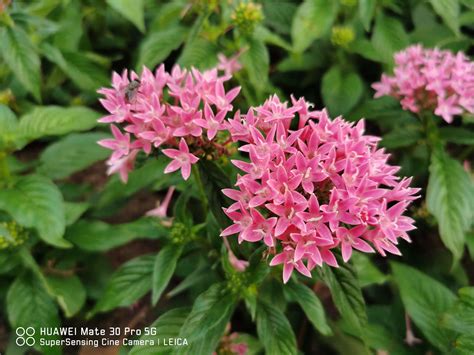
point(131, 90)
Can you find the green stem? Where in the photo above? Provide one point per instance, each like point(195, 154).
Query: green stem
point(202, 191)
point(4, 170)
point(431, 131)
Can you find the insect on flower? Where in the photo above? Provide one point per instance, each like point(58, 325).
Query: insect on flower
point(131, 90)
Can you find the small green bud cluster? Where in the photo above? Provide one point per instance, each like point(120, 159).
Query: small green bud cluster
point(180, 233)
point(246, 16)
point(342, 36)
point(12, 235)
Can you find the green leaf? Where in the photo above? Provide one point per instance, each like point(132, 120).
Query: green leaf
point(56, 121)
point(341, 90)
point(256, 61)
point(367, 272)
point(20, 55)
point(460, 317)
point(458, 135)
point(274, 330)
point(279, 14)
point(74, 210)
point(8, 126)
point(72, 154)
point(35, 202)
point(167, 326)
point(116, 191)
point(129, 283)
point(312, 20)
point(366, 12)
point(132, 10)
point(71, 27)
point(214, 180)
point(450, 198)
point(84, 72)
point(402, 137)
point(346, 294)
point(69, 292)
point(264, 34)
point(311, 306)
point(208, 319)
point(389, 37)
point(100, 236)
point(158, 45)
point(199, 53)
point(449, 12)
point(425, 299)
point(29, 305)
point(165, 264)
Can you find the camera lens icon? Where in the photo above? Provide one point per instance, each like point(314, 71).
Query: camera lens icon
point(25, 336)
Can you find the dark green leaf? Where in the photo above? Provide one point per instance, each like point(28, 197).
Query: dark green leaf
point(450, 198)
point(367, 272)
point(311, 306)
point(425, 300)
point(74, 210)
point(256, 61)
point(71, 154)
point(312, 20)
point(341, 90)
point(347, 294)
point(134, 11)
point(214, 180)
point(29, 305)
point(274, 330)
point(199, 53)
point(100, 236)
point(458, 135)
point(449, 12)
point(115, 190)
point(128, 284)
point(366, 12)
point(55, 121)
point(34, 201)
point(402, 137)
point(20, 55)
point(69, 292)
point(8, 127)
point(157, 46)
point(207, 321)
point(167, 326)
point(84, 72)
point(165, 264)
point(389, 36)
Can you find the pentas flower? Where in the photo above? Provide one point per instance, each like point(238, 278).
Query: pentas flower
point(306, 192)
point(431, 79)
point(180, 113)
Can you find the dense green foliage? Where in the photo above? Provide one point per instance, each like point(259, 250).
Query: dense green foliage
point(65, 226)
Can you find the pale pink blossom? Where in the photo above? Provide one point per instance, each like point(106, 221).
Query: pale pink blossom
point(182, 108)
point(182, 159)
point(433, 80)
point(305, 193)
point(161, 208)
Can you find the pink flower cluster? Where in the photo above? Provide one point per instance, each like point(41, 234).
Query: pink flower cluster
point(431, 79)
point(181, 111)
point(321, 186)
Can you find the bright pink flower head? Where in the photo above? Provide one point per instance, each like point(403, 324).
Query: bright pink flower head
point(431, 79)
point(182, 112)
point(308, 191)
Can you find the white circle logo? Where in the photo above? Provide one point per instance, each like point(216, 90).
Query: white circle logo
point(21, 340)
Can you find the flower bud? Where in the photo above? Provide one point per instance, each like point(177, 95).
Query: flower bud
point(246, 16)
point(342, 36)
point(12, 235)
